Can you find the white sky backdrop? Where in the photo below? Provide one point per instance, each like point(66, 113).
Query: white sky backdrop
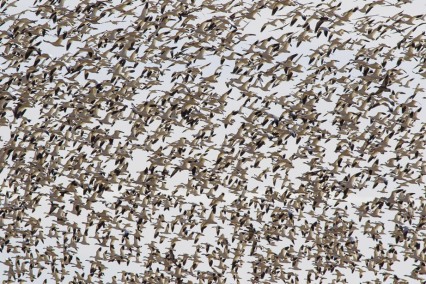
point(142, 152)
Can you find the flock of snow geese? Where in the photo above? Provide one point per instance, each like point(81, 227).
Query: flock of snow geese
point(210, 141)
